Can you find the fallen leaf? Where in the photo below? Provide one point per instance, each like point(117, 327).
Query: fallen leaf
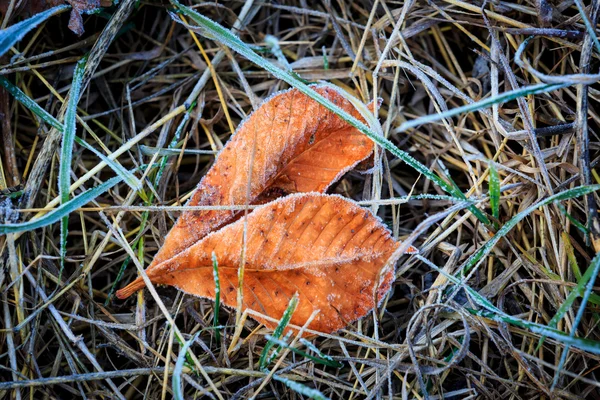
point(29, 8)
point(336, 255)
point(76, 18)
point(290, 144)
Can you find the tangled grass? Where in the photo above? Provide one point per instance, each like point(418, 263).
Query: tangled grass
point(496, 103)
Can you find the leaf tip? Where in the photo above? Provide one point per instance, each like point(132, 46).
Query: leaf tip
point(130, 289)
point(411, 250)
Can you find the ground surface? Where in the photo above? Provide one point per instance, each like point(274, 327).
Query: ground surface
point(432, 337)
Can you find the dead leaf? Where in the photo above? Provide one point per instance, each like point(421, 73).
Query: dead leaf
point(76, 18)
point(336, 255)
point(28, 8)
point(290, 144)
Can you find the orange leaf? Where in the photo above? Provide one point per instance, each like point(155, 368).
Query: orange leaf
point(336, 255)
point(290, 144)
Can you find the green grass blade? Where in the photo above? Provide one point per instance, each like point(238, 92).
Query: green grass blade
point(62, 211)
point(118, 278)
point(213, 30)
point(178, 370)
point(588, 288)
point(314, 348)
point(300, 388)
point(588, 25)
point(16, 32)
point(66, 153)
point(130, 179)
point(577, 224)
point(45, 116)
point(217, 295)
point(494, 191)
point(581, 343)
point(485, 103)
point(283, 323)
point(150, 151)
point(30, 104)
point(503, 231)
point(571, 253)
point(320, 359)
point(575, 293)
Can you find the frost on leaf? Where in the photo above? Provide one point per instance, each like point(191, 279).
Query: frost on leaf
point(337, 256)
point(290, 144)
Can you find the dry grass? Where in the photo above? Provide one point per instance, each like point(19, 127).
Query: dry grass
point(63, 333)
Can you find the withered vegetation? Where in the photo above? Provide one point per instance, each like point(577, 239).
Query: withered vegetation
point(499, 303)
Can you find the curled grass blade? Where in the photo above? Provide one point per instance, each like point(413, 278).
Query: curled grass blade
point(62, 211)
point(16, 32)
point(588, 25)
point(214, 31)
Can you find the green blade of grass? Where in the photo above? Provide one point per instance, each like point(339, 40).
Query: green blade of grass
point(588, 25)
point(60, 212)
point(42, 114)
point(213, 30)
point(503, 231)
point(150, 151)
point(177, 371)
point(66, 153)
point(322, 359)
point(300, 388)
point(588, 287)
point(571, 253)
point(577, 224)
point(275, 352)
point(314, 348)
point(581, 343)
point(30, 104)
point(578, 291)
point(217, 295)
point(16, 32)
point(494, 192)
point(283, 323)
point(69, 130)
point(485, 103)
